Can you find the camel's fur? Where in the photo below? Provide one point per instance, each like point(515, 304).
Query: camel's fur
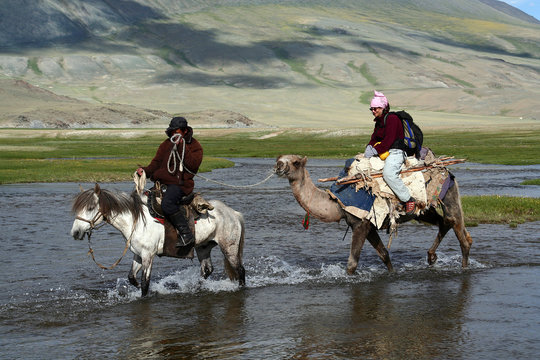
point(319, 204)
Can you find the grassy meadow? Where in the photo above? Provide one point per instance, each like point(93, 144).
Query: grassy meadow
point(113, 155)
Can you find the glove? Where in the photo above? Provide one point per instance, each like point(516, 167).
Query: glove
point(370, 151)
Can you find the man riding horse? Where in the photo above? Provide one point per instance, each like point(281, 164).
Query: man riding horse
point(176, 162)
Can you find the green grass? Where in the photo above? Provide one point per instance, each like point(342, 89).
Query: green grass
point(364, 71)
point(296, 65)
point(531, 182)
point(500, 210)
point(25, 158)
point(515, 147)
point(82, 170)
point(33, 65)
point(365, 97)
point(438, 58)
point(459, 81)
point(80, 158)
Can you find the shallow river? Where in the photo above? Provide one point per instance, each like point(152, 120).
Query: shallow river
point(55, 303)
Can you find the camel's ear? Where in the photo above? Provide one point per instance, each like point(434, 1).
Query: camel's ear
point(300, 162)
point(97, 189)
point(80, 188)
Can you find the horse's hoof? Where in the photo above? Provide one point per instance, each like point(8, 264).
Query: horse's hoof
point(241, 276)
point(123, 290)
point(133, 282)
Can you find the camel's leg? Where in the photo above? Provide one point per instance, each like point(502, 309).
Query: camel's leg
point(432, 252)
point(465, 241)
point(375, 241)
point(359, 234)
point(454, 215)
point(145, 277)
point(203, 254)
point(135, 267)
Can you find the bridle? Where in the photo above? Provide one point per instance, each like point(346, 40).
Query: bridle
point(99, 215)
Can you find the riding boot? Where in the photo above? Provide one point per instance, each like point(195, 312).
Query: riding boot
point(179, 221)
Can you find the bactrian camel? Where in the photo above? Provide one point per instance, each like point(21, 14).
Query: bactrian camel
point(320, 205)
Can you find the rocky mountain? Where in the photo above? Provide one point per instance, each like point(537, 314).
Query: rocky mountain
point(283, 63)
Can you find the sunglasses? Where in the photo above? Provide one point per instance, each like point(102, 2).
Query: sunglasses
point(374, 108)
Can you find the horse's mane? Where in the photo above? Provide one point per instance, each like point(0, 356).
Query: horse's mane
point(110, 203)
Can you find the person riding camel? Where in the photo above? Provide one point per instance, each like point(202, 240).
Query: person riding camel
point(387, 143)
point(176, 162)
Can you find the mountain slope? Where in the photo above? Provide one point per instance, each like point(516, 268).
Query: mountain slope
point(279, 62)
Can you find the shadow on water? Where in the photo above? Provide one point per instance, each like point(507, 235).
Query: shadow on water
point(298, 302)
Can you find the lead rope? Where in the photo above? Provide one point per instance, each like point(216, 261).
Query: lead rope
point(91, 252)
point(174, 155)
point(89, 234)
point(233, 186)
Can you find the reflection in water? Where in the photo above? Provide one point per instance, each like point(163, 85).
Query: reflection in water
point(389, 319)
point(186, 326)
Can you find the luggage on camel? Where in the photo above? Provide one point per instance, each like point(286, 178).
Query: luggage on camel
point(361, 190)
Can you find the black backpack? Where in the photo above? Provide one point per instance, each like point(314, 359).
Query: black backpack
point(413, 135)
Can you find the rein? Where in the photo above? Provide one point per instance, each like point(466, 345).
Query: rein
point(93, 227)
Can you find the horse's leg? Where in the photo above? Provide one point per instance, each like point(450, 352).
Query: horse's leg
point(234, 268)
point(135, 267)
point(203, 254)
point(375, 241)
point(360, 231)
point(232, 252)
point(145, 277)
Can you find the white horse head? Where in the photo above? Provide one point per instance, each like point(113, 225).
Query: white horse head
point(93, 206)
point(87, 212)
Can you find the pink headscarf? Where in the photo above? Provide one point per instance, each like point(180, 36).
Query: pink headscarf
point(379, 100)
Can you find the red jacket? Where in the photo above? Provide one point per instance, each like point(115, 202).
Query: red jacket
point(388, 134)
point(158, 169)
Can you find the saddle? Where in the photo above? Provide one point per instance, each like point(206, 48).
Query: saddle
point(195, 206)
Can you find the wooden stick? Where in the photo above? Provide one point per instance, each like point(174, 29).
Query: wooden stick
point(328, 179)
point(377, 175)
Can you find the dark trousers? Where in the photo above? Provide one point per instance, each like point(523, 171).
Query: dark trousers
point(170, 203)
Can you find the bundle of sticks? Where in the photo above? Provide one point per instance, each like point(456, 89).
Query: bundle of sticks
point(440, 162)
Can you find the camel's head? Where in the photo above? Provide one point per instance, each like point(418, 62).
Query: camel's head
point(289, 165)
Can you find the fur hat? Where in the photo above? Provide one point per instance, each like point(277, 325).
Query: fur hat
point(177, 122)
